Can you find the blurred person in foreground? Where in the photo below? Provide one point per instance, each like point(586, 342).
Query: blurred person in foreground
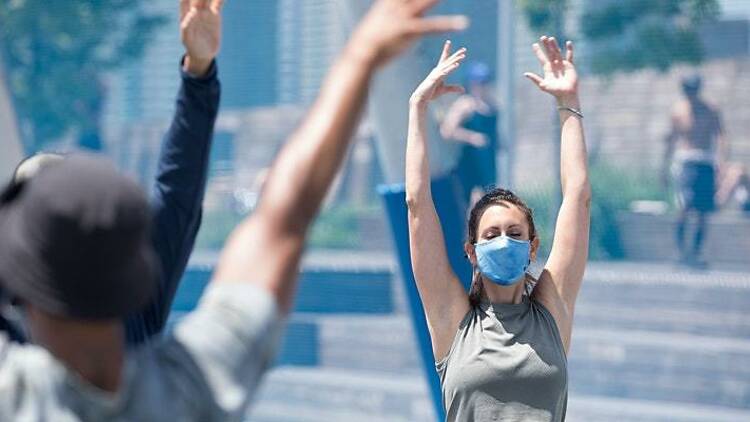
point(695, 151)
point(76, 255)
point(500, 350)
point(472, 121)
point(177, 197)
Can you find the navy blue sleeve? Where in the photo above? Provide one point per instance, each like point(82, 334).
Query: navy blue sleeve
point(178, 195)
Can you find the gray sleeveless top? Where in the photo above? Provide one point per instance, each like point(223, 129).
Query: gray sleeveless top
point(506, 363)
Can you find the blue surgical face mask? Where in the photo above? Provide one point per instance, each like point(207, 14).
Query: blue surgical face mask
point(503, 260)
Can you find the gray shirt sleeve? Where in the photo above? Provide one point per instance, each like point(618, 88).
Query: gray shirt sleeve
point(231, 340)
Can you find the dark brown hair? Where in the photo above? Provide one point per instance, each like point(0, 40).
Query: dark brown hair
point(494, 196)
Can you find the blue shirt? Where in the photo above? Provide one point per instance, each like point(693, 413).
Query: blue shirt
point(178, 193)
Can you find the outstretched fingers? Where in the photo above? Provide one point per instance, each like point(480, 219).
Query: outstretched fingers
point(418, 7)
point(540, 55)
point(533, 77)
point(216, 6)
point(459, 55)
point(446, 51)
point(184, 8)
point(188, 18)
point(458, 89)
point(569, 51)
point(453, 62)
point(553, 50)
point(422, 26)
point(451, 89)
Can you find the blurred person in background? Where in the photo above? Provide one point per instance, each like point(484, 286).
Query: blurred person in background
point(696, 150)
point(500, 350)
point(76, 255)
point(734, 184)
point(177, 197)
point(472, 121)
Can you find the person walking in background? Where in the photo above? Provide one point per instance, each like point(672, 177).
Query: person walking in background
point(76, 255)
point(500, 350)
point(695, 150)
point(177, 197)
point(472, 121)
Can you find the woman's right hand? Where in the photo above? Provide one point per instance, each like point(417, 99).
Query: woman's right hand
point(434, 85)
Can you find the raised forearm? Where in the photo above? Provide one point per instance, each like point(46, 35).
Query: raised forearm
point(304, 169)
point(462, 134)
point(417, 157)
point(183, 160)
point(573, 156)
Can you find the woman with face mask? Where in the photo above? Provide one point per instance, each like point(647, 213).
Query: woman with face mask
point(500, 350)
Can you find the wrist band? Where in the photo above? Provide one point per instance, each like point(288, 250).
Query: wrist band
point(572, 110)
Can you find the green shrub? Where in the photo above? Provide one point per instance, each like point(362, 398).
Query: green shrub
point(215, 228)
point(613, 190)
point(337, 227)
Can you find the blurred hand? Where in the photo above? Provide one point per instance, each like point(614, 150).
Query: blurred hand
point(200, 31)
point(560, 77)
point(434, 85)
point(478, 140)
point(392, 25)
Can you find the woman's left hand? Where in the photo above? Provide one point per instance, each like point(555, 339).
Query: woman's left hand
point(560, 77)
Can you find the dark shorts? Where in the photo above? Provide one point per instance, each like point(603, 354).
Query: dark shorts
point(696, 183)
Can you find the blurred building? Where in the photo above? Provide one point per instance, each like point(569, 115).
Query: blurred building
point(248, 58)
point(310, 34)
point(729, 36)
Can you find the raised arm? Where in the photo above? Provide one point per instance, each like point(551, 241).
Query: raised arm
point(452, 126)
point(670, 141)
point(183, 162)
point(561, 279)
point(443, 297)
point(266, 248)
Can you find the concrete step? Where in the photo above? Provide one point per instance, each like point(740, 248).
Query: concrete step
point(586, 408)
point(638, 296)
point(292, 394)
point(327, 394)
point(726, 323)
point(661, 366)
point(373, 343)
point(619, 362)
point(643, 332)
point(650, 237)
point(321, 290)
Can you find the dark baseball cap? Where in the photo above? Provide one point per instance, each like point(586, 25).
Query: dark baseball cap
point(74, 240)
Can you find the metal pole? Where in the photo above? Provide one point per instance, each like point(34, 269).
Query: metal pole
point(506, 70)
point(11, 151)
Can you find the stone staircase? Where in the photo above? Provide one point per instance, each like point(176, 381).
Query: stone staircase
point(651, 343)
point(727, 245)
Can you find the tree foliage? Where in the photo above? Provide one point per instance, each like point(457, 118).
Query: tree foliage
point(627, 35)
point(54, 53)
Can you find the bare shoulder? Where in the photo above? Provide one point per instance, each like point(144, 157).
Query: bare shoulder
point(681, 109)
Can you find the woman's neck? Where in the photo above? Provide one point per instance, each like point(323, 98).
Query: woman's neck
point(504, 294)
